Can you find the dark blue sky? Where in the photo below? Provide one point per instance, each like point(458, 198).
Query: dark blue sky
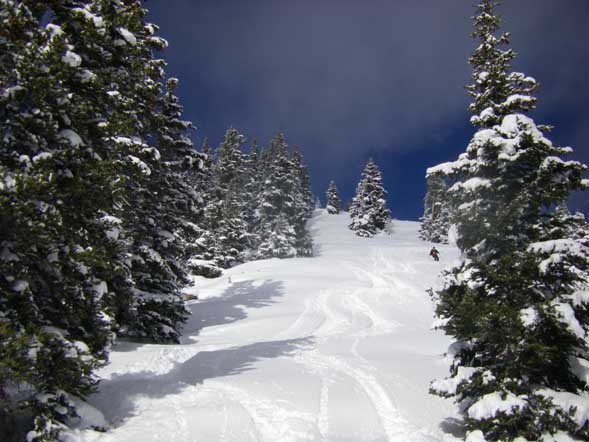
point(351, 79)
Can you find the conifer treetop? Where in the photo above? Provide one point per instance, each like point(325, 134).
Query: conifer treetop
point(496, 90)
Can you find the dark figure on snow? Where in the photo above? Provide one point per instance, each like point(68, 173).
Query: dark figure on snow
point(434, 254)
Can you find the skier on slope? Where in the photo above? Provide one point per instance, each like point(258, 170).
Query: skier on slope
point(434, 254)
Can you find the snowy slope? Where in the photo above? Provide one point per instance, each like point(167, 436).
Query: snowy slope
point(332, 348)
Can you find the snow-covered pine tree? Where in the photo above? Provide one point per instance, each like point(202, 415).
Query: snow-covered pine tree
point(150, 144)
point(169, 203)
point(208, 159)
point(115, 47)
point(202, 259)
point(58, 189)
point(281, 239)
point(333, 202)
point(184, 168)
point(232, 234)
point(84, 103)
point(277, 202)
point(228, 211)
point(303, 204)
point(229, 160)
point(368, 210)
point(518, 303)
point(251, 182)
point(436, 210)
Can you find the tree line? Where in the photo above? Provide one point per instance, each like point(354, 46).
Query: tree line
point(106, 207)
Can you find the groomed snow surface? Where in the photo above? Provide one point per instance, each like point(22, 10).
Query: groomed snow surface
point(337, 347)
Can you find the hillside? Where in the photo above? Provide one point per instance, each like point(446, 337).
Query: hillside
point(338, 347)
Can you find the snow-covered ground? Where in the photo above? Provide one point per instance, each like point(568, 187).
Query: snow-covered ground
point(338, 347)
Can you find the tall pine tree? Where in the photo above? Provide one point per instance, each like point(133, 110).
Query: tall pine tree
point(227, 209)
point(277, 202)
point(285, 203)
point(203, 257)
point(92, 164)
point(517, 304)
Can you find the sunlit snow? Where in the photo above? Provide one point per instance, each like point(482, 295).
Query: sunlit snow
point(337, 347)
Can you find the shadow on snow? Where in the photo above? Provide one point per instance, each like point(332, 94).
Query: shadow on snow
point(117, 395)
point(230, 307)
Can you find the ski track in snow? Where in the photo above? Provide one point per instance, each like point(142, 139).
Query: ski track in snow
point(320, 350)
point(271, 419)
point(388, 414)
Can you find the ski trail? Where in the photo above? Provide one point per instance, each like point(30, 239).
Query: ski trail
point(378, 324)
point(224, 428)
point(318, 318)
point(391, 265)
point(274, 420)
point(335, 323)
point(180, 431)
point(374, 280)
point(323, 418)
point(299, 327)
point(395, 427)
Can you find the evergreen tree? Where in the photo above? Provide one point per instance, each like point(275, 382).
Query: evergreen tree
point(229, 160)
point(93, 162)
point(280, 239)
point(232, 234)
point(228, 204)
point(57, 193)
point(155, 159)
point(333, 202)
point(250, 189)
point(436, 211)
point(368, 210)
point(285, 202)
point(202, 259)
point(205, 178)
point(303, 204)
point(167, 200)
point(517, 304)
point(277, 202)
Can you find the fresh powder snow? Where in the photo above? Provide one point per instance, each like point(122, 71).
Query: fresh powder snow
point(338, 347)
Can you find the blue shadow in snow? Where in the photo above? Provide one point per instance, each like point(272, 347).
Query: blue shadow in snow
point(231, 306)
point(117, 395)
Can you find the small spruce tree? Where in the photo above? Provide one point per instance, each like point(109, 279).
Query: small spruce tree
point(333, 201)
point(368, 210)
